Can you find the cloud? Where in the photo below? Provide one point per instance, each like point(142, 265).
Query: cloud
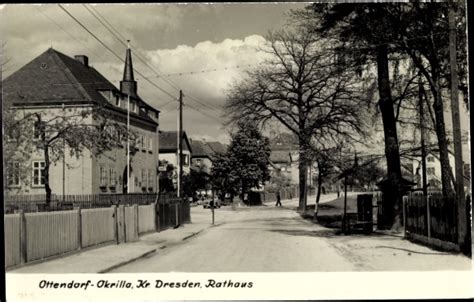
point(168, 38)
point(208, 56)
point(204, 92)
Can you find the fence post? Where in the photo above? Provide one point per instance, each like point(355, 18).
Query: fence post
point(23, 247)
point(136, 220)
point(116, 224)
point(79, 228)
point(404, 200)
point(176, 206)
point(157, 217)
point(124, 225)
point(428, 216)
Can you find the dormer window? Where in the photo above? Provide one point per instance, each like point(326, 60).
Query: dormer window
point(117, 101)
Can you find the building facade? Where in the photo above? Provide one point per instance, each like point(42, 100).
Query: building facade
point(433, 171)
point(169, 151)
point(54, 84)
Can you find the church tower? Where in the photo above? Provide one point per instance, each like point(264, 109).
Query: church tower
point(128, 85)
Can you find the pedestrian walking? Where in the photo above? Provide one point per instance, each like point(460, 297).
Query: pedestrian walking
point(278, 199)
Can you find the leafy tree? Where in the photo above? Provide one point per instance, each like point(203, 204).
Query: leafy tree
point(166, 179)
point(222, 179)
point(278, 180)
point(245, 164)
point(197, 179)
point(303, 88)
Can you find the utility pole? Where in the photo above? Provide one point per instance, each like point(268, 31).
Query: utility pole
point(180, 145)
point(64, 160)
point(422, 139)
point(462, 210)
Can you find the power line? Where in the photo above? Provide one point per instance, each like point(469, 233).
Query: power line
point(65, 31)
point(204, 113)
point(216, 108)
point(109, 49)
point(121, 39)
point(113, 31)
point(116, 34)
point(197, 72)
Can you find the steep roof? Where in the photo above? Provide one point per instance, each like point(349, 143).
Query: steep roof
point(200, 148)
point(280, 156)
point(55, 78)
point(169, 141)
point(217, 147)
point(284, 141)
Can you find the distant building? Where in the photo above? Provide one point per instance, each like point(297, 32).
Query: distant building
point(169, 152)
point(284, 156)
point(204, 152)
point(433, 170)
point(55, 84)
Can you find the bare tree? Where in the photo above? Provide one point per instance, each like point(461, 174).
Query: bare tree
point(304, 89)
point(96, 130)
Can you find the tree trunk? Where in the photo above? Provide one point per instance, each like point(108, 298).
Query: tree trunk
point(392, 153)
point(46, 175)
point(441, 134)
point(318, 195)
point(303, 168)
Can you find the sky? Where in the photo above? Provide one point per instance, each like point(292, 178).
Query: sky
point(174, 39)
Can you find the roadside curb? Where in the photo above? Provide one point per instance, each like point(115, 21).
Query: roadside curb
point(127, 261)
point(200, 231)
point(192, 235)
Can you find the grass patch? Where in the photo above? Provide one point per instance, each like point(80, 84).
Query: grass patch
point(330, 213)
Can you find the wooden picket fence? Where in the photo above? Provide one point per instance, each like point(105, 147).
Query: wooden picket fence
point(431, 219)
point(32, 236)
point(37, 203)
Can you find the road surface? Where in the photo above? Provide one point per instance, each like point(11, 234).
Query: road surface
point(270, 239)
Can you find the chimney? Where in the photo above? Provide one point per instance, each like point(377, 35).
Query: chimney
point(83, 59)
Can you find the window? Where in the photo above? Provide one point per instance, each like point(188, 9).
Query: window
point(150, 144)
point(430, 159)
point(144, 178)
point(113, 177)
point(38, 173)
point(103, 177)
point(430, 171)
point(467, 170)
point(150, 178)
point(185, 159)
point(117, 101)
point(138, 142)
point(132, 106)
point(145, 143)
point(13, 174)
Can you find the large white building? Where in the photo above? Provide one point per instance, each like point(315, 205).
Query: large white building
point(54, 84)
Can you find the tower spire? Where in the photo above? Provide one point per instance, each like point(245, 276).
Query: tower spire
point(128, 85)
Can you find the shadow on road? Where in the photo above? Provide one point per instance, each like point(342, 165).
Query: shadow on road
point(412, 251)
point(307, 233)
